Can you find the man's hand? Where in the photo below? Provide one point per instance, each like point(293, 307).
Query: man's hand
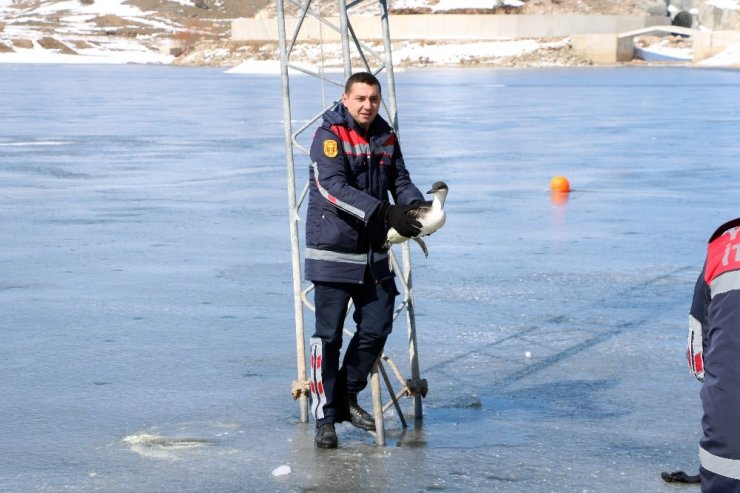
point(396, 216)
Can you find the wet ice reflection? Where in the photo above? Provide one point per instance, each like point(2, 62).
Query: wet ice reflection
point(145, 279)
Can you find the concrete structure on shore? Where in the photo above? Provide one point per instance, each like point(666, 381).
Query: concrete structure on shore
point(603, 39)
point(709, 43)
point(434, 27)
point(607, 49)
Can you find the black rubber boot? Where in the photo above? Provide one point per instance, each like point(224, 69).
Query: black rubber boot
point(358, 416)
point(326, 436)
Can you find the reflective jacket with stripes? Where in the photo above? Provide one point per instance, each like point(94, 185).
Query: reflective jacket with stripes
point(350, 174)
point(715, 310)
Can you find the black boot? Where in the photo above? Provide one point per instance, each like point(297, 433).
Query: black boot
point(358, 416)
point(326, 437)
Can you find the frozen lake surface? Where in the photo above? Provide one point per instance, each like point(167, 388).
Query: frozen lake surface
point(146, 321)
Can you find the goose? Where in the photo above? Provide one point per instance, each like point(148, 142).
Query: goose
point(430, 214)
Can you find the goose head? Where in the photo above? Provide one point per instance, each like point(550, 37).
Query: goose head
point(439, 189)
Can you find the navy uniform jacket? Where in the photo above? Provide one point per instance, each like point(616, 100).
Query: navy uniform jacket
point(715, 316)
point(350, 174)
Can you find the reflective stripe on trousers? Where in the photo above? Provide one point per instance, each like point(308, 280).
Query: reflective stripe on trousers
point(318, 397)
point(729, 468)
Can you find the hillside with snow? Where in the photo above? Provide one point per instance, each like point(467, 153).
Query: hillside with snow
point(196, 32)
point(112, 31)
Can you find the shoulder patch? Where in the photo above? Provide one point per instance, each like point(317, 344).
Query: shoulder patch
point(330, 148)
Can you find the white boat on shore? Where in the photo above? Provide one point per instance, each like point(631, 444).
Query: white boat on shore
point(657, 53)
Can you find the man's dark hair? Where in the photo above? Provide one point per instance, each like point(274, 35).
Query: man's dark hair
point(361, 78)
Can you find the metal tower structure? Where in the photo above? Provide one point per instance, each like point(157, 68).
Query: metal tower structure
point(355, 54)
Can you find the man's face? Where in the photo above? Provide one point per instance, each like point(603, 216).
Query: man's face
point(363, 103)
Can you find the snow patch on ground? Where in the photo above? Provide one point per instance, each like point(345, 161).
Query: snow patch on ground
point(448, 54)
point(724, 4)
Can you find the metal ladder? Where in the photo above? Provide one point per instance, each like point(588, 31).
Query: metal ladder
point(356, 51)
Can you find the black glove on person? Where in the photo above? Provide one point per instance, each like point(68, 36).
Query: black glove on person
point(396, 216)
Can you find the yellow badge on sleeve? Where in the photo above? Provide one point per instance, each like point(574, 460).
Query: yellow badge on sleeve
point(330, 148)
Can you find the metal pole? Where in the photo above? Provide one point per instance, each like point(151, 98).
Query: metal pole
point(294, 246)
point(410, 317)
point(391, 84)
point(377, 405)
point(343, 27)
point(394, 399)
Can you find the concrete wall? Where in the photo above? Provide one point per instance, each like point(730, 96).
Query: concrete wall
point(718, 19)
point(608, 49)
point(603, 49)
point(708, 44)
point(453, 26)
point(594, 37)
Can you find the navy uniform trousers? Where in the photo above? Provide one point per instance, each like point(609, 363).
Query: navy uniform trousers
point(373, 316)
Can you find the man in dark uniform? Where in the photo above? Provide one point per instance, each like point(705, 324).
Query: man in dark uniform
point(356, 164)
point(714, 357)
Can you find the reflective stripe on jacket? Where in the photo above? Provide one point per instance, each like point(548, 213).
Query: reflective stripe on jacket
point(350, 174)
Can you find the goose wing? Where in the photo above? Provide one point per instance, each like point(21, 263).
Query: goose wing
point(420, 210)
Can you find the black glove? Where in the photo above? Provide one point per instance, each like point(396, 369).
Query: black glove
point(396, 217)
point(680, 477)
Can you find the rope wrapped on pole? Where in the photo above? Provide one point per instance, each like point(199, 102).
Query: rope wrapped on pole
point(300, 388)
point(417, 386)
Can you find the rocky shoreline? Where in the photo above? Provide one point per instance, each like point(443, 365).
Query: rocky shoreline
point(532, 53)
point(541, 53)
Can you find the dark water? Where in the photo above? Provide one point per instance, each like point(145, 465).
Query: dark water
point(146, 332)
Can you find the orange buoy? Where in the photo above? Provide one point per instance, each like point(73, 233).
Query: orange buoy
point(560, 184)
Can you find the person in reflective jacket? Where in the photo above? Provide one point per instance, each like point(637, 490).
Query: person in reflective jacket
point(714, 357)
point(356, 167)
